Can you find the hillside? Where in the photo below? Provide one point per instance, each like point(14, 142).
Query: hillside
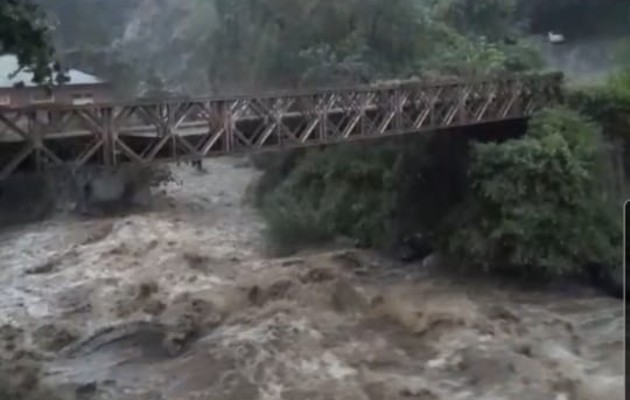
point(198, 46)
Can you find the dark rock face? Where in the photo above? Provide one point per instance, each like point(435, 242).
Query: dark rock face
point(415, 247)
point(25, 199)
point(605, 278)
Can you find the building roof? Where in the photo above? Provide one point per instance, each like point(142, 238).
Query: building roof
point(9, 65)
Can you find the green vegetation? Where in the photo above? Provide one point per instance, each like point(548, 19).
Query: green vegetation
point(542, 206)
point(24, 32)
point(247, 45)
point(536, 204)
point(320, 42)
point(348, 190)
point(609, 105)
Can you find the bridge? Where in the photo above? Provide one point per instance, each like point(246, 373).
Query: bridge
point(44, 137)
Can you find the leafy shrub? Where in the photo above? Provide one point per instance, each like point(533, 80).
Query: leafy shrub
point(494, 19)
point(609, 106)
point(535, 204)
point(619, 84)
point(345, 190)
point(276, 166)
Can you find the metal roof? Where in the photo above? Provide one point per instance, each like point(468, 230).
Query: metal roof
point(9, 65)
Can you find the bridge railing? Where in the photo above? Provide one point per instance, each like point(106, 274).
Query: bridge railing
point(183, 129)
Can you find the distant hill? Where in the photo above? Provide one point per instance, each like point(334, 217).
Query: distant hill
point(136, 42)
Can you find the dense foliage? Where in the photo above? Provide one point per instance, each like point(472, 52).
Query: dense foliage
point(244, 45)
point(23, 32)
point(321, 42)
point(537, 204)
point(609, 105)
point(542, 204)
point(348, 190)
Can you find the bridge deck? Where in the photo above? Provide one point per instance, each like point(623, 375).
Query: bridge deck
point(36, 138)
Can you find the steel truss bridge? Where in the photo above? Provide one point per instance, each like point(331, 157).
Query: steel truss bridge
point(45, 137)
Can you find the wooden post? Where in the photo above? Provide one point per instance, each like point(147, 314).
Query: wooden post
point(109, 157)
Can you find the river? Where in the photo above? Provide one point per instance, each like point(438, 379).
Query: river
point(183, 302)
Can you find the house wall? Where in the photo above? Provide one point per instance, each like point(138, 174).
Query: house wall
point(67, 95)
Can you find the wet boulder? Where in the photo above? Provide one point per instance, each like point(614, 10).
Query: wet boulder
point(605, 278)
point(414, 247)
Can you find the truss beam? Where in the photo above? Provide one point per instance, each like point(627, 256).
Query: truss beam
point(174, 130)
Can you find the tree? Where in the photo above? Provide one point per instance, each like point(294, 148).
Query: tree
point(538, 204)
point(23, 32)
point(493, 19)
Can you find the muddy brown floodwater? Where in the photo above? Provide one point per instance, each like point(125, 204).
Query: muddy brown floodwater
point(182, 303)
